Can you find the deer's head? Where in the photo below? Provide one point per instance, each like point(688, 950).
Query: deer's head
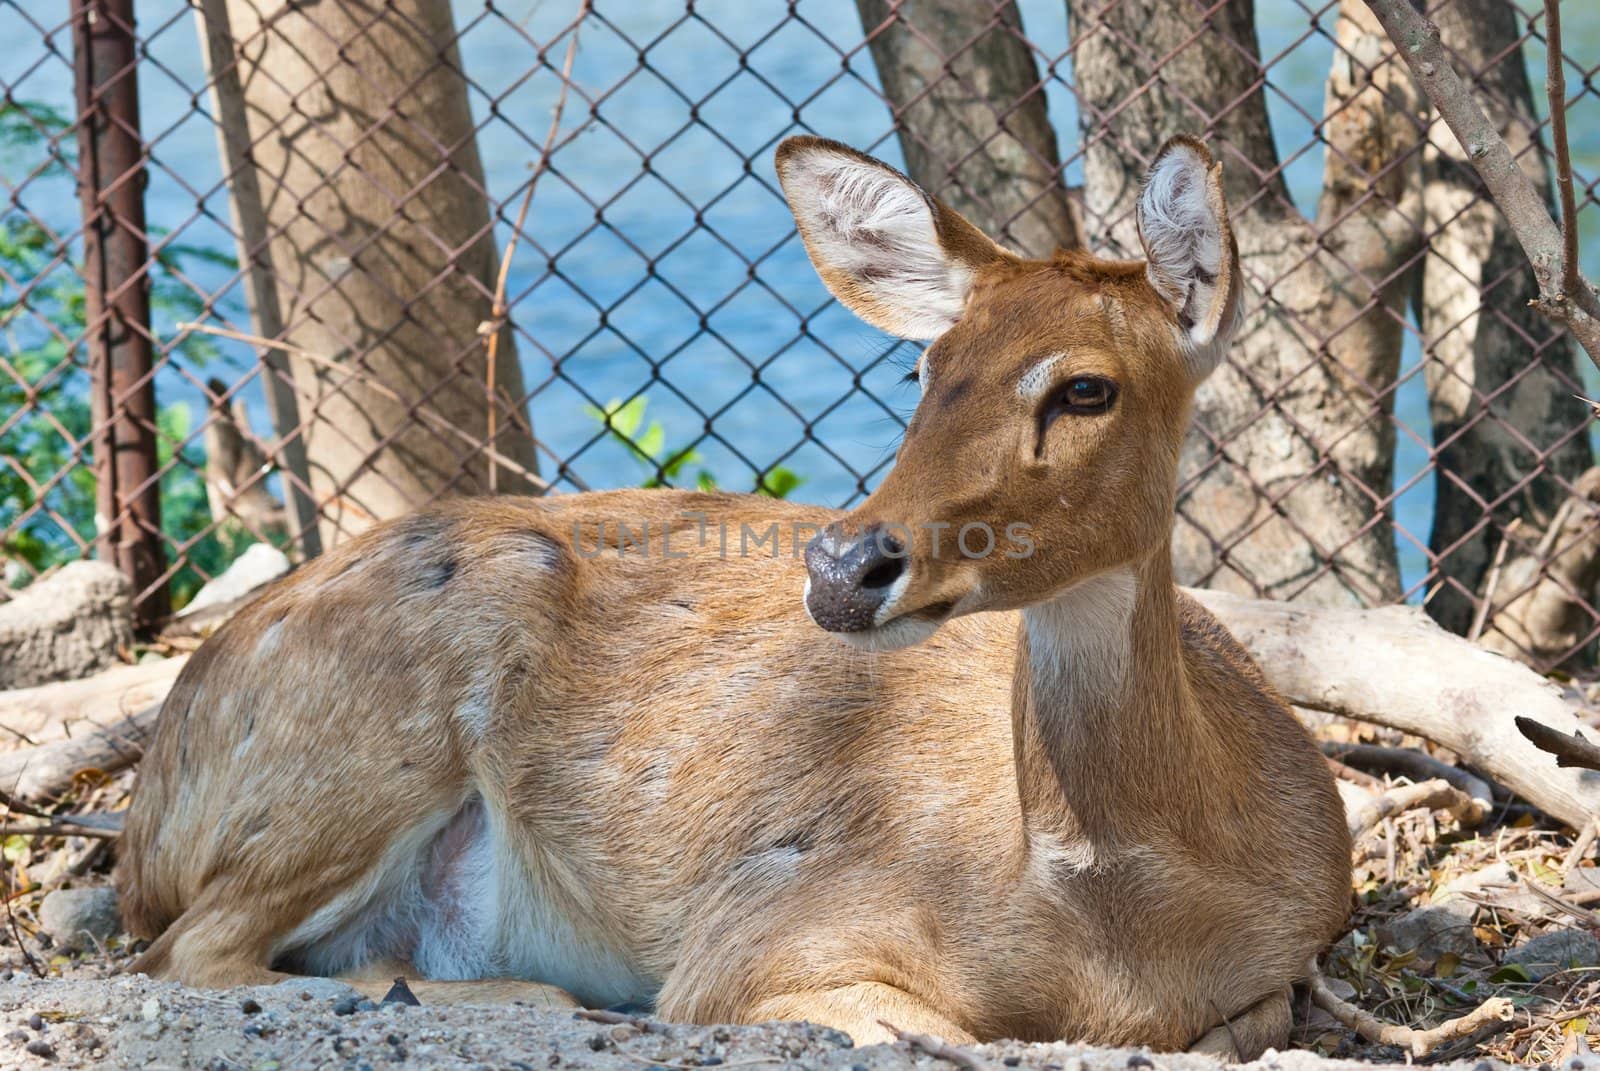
point(1054, 394)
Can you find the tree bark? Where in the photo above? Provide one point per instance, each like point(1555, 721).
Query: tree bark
point(1510, 439)
point(1285, 479)
point(969, 108)
point(382, 246)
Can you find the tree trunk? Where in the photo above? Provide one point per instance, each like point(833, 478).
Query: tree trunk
point(1494, 418)
point(970, 111)
point(1285, 478)
point(382, 246)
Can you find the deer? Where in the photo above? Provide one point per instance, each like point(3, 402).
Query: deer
point(886, 778)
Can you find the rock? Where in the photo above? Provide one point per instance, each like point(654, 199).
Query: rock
point(1445, 924)
point(1432, 931)
point(80, 918)
point(1556, 951)
point(259, 565)
point(65, 626)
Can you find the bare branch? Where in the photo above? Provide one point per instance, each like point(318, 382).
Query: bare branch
point(1569, 750)
point(1575, 306)
point(939, 1049)
point(1555, 87)
point(1418, 1043)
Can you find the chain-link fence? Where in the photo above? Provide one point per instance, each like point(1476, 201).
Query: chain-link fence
point(271, 271)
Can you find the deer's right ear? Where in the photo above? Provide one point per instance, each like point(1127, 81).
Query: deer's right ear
point(896, 257)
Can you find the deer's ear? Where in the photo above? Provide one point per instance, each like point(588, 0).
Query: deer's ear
point(1193, 259)
point(896, 257)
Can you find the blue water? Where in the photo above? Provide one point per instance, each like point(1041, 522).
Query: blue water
point(685, 283)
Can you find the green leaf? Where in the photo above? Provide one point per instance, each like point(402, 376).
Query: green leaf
point(779, 482)
point(1511, 972)
point(651, 441)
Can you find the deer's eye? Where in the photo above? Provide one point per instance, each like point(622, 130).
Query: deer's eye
point(1082, 396)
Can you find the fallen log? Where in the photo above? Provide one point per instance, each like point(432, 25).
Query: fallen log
point(48, 770)
point(1395, 667)
point(103, 698)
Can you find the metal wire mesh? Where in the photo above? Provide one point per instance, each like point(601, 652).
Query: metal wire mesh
point(661, 324)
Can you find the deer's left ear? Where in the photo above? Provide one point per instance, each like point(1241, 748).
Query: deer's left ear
point(1193, 259)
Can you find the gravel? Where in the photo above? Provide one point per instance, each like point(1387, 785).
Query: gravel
point(133, 1022)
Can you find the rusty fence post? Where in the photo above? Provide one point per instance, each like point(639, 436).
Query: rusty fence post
point(111, 181)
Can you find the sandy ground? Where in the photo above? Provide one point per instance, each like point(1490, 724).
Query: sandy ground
point(133, 1022)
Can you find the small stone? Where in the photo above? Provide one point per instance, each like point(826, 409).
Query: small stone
point(1139, 1059)
point(346, 1006)
point(41, 1047)
point(598, 1042)
point(1560, 950)
point(17, 1037)
point(150, 1031)
point(1011, 1061)
point(400, 995)
point(249, 1006)
point(81, 919)
point(36, 1021)
point(150, 1010)
point(328, 989)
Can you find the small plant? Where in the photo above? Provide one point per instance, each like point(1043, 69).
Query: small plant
point(625, 422)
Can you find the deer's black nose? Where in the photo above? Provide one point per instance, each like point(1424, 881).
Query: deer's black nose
point(851, 577)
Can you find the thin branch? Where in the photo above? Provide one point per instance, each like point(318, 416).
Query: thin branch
point(1419, 1043)
point(59, 829)
point(498, 311)
point(1409, 762)
point(939, 1049)
point(1571, 750)
point(1555, 87)
point(1564, 295)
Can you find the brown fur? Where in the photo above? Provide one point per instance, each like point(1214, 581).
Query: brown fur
point(757, 820)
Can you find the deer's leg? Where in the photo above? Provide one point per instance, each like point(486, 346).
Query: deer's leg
point(1262, 1026)
point(859, 1010)
point(210, 948)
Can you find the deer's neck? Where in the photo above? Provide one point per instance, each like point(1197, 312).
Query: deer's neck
point(1101, 707)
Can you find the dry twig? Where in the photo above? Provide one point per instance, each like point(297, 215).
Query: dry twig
point(498, 311)
point(1573, 750)
point(939, 1049)
point(1418, 1043)
point(1437, 794)
point(615, 1018)
point(59, 829)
